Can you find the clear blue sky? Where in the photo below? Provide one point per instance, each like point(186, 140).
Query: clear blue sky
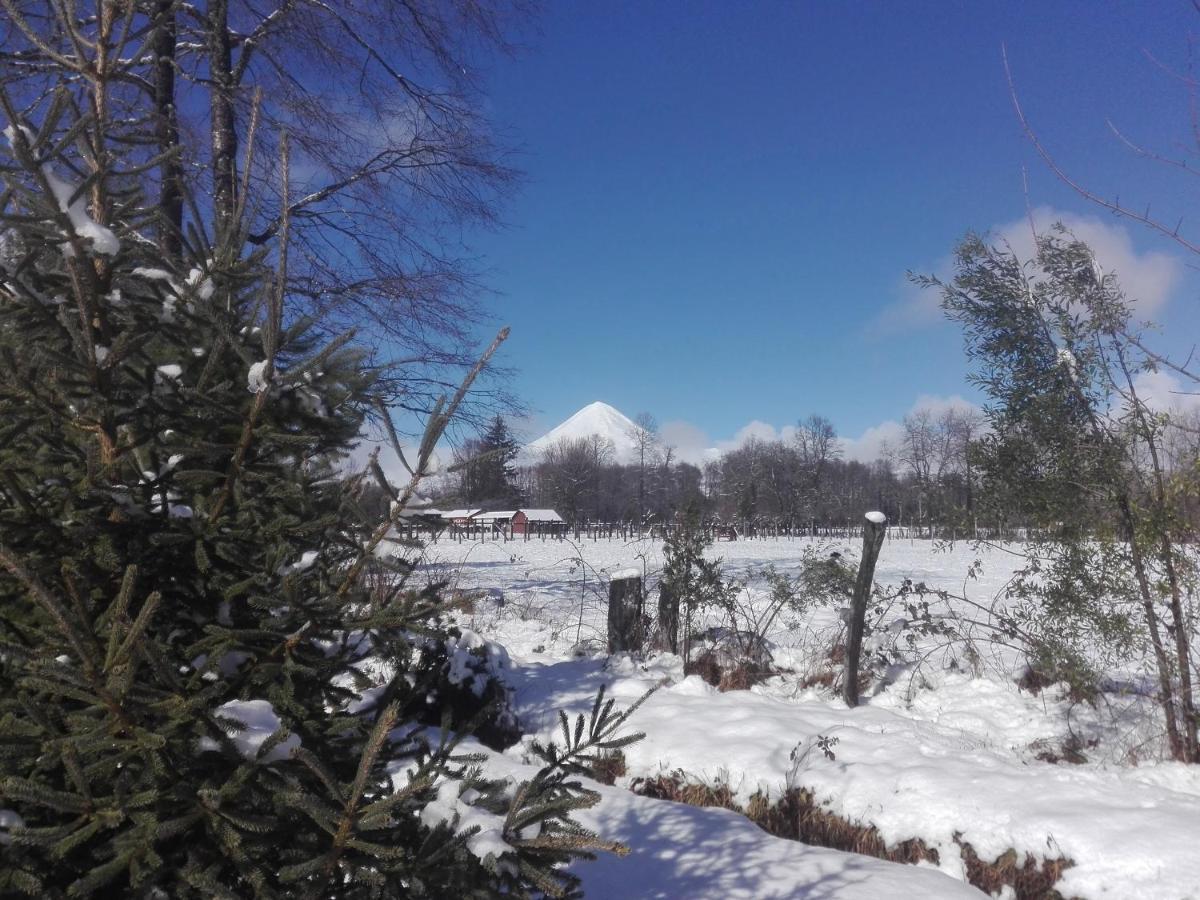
point(723, 198)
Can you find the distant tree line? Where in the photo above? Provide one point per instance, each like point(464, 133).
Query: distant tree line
point(932, 479)
point(926, 479)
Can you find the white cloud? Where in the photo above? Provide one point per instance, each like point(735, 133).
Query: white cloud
point(1148, 279)
point(870, 445)
point(1165, 392)
point(692, 444)
point(372, 440)
point(759, 430)
point(916, 309)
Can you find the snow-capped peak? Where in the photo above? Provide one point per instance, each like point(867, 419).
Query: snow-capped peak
point(596, 418)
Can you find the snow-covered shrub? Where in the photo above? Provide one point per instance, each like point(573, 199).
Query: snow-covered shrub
point(470, 686)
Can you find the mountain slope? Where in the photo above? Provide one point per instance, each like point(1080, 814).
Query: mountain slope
point(595, 418)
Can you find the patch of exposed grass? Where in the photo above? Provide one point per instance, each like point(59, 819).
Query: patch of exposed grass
point(798, 816)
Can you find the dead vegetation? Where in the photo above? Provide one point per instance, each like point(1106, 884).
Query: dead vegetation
point(798, 816)
point(727, 675)
point(608, 767)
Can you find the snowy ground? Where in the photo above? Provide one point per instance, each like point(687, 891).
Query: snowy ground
point(944, 748)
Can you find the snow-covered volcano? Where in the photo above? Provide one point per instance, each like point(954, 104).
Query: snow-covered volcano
point(595, 418)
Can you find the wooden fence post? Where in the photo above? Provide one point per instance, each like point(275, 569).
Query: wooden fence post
point(625, 611)
point(873, 533)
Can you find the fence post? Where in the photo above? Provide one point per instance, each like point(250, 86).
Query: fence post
point(625, 612)
point(873, 533)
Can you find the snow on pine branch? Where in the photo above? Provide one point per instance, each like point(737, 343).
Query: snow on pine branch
point(102, 238)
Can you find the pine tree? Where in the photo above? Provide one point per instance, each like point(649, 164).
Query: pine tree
point(689, 581)
point(187, 629)
point(489, 475)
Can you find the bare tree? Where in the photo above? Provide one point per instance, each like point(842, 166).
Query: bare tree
point(645, 441)
point(391, 156)
point(569, 473)
point(818, 446)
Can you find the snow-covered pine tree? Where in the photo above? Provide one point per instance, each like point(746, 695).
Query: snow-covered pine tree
point(198, 695)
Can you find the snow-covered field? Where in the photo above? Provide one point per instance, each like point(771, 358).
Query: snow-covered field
point(945, 748)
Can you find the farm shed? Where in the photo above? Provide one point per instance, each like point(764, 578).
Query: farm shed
point(460, 517)
point(537, 521)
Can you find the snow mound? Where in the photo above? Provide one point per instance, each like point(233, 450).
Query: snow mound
point(260, 721)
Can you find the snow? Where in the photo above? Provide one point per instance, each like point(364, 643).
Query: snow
point(684, 851)
point(151, 274)
point(450, 805)
point(102, 238)
point(941, 748)
point(8, 821)
point(541, 515)
point(256, 377)
point(622, 574)
point(260, 721)
point(171, 370)
point(12, 248)
point(1067, 360)
point(306, 561)
point(475, 669)
point(200, 284)
point(594, 419)
point(913, 776)
point(499, 515)
point(169, 303)
point(228, 664)
point(876, 517)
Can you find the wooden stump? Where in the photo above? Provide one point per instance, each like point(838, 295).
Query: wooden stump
point(874, 529)
point(625, 612)
point(668, 620)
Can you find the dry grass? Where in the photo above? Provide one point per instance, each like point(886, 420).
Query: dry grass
point(608, 767)
point(1031, 878)
point(830, 670)
point(463, 601)
point(799, 817)
point(740, 677)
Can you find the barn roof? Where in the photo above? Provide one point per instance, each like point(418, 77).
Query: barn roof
point(425, 512)
point(542, 515)
point(460, 513)
point(496, 515)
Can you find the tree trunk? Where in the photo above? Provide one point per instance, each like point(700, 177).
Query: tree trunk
point(166, 129)
point(625, 614)
point(874, 529)
point(223, 123)
point(668, 620)
point(1167, 700)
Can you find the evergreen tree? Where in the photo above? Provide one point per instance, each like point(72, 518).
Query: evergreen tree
point(186, 629)
point(690, 581)
point(489, 476)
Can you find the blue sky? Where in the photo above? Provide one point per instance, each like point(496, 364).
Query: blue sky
point(722, 199)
